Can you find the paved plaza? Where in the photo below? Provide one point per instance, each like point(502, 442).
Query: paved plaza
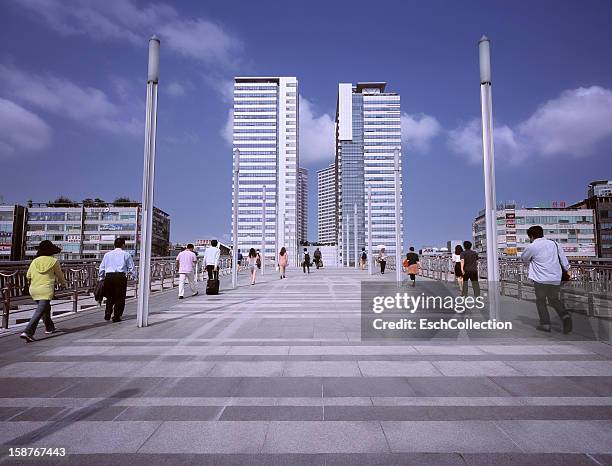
point(277, 373)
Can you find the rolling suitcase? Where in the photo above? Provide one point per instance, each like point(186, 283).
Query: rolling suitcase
point(212, 286)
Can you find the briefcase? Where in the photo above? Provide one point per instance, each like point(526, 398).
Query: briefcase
point(212, 286)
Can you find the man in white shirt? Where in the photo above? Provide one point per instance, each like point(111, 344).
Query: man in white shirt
point(547, 261)
point(114, 269)
point(211, 260)
point(185, 266)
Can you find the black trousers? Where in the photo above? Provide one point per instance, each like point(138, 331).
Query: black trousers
point(548, 292)
point(473, 277)
point(212, 273)
point(306, 265)
point(383, 264)
point(115, 287)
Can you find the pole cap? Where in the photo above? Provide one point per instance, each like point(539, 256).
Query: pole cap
point(153, 71)
point(484, 54)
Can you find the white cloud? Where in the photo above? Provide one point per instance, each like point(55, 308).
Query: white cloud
point(572, 125)
point(85, 105)
point(125, 21)
point(317, 136)
point(418, 131)
point(175, 89)
point(227, 132)
point(21, 131)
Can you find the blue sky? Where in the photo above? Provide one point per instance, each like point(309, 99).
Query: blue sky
point(72, 89)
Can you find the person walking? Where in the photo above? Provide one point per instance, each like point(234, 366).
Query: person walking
point(457, 263)
point(317, 258)
point(186, 262)
point(258, 261)
point(42, 274)
point(306, 261)
point(283, 260)
point(382, 260)
point(211, 260)
point(411, 263)
point(363, 259)
point(548, 267)
point(115, 267)
point(469, 269)
point(239, 258)
point(252, 263)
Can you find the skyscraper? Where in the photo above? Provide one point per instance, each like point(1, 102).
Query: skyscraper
point(266, 136)
point(302, 205)
point(367, 134)
point(326, 205)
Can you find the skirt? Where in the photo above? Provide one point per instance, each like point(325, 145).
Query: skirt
point(412, 269)
point(458, 269)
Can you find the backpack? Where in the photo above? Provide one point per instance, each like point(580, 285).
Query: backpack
point(307, 258)
point(364, 256)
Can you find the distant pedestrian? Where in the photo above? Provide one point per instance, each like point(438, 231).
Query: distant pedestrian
point(382, 260)
point(115, 267)
point(258, 261)
point(411, 263)
point(548, 267)
point(469, 269)
point(239, 258)
point(317, 258)
point(363, 260)
point(186, 262)
point(283, 260)
point(42, 274)
point(211, 260)
point(457, 263)
point(306, 261)
point(252, 263)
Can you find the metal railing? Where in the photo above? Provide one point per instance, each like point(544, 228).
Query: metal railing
point(81, 279)
point(590, 285)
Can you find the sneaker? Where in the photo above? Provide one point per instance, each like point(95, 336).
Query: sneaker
point(116, 319)
point(567, 325)
point(180, 297)
point(27, 337)
point(49, 332)
point(543, 328)
point(196, 293)
point(107, 316)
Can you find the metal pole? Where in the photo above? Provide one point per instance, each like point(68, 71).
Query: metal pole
point(398, 222)
point(148, 180)
point(263, 233)
point(235, 219)
point(370, 264)
point(348, 240)
point(489, 171)
point(355, 238)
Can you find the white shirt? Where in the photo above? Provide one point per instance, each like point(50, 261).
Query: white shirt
point(543, 256)
point(211, 256)
point(186, 260)
point(456, 258)
point(117, 260)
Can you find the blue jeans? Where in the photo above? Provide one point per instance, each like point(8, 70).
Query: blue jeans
point(43, 310)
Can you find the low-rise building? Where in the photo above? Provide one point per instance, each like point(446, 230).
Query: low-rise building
point(572, 228)
point(12, 232)
point(599, 199)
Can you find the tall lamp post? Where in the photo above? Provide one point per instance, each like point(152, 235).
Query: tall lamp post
point(263, 232)
point(355, 247)
point(370, 258)
point(235, 220)
point(148, 180)
point(489, 171)
point(398, 222)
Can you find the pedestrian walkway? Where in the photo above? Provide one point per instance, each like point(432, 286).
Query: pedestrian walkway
point(277, 373)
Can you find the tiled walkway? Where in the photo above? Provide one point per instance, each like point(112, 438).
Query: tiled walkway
point(276, 373)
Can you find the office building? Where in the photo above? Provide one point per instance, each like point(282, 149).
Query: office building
point(266, 134)
point(599, 198)
point(12, 232)
point(572, 228)
point(88, 230)
point(302, 205)
point(367, 134)
point(326, 205)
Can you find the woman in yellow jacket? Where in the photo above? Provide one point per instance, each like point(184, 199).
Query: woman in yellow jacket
point(42, 274)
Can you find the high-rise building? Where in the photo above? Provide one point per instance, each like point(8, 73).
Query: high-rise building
point(326, 205)
point(599, 198)
point(88, 230)
point(367, 134)
point(302, 205)
point(266, 135)
point(572, 228)
point(12, 232)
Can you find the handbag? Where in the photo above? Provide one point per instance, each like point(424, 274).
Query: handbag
point(565, 276)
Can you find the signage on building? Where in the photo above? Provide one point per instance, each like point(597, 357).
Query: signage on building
point(512, 251)
point(107, 238)
point(73, 238)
